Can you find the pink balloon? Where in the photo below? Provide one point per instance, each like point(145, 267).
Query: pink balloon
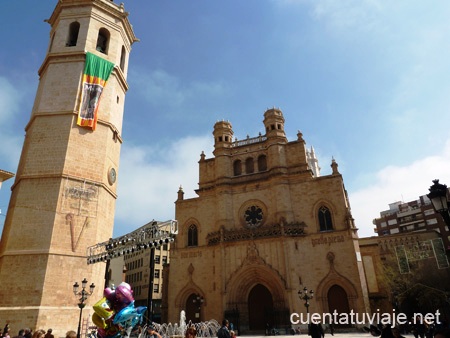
point(110, 295)
point(124, 294)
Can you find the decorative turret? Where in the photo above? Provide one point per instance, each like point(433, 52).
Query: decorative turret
point(274, 124)
point(180, 193)
point(223, 136)
point(334, 167)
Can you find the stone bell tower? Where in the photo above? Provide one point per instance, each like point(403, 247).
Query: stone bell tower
point(63, 198)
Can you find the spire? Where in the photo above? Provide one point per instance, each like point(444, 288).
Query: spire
point(313, 162)
point(334, 167)
point(180, 193)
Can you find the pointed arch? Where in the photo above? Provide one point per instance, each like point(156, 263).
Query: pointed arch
point(331, 279)
point(190, 232)
point(185, 294)
point(324, 218)
point(324, 208)
point(192, 235)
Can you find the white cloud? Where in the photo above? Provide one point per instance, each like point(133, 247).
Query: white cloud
point(9, 101)
point(395, 183)
point(158, 86)
point(11, 142)
point(346, 13)
point(149, 179)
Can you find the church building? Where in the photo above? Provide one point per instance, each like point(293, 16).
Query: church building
point(265, 225)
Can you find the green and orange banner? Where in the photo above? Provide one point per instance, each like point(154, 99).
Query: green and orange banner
point(95, 75)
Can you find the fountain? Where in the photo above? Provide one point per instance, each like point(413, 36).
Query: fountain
point(204, 329)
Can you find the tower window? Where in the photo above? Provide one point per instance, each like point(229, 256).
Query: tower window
point(122, 59)
point(226, 138)
point(249, 166)
point(72, 38)
point(272, 126)
point(237, 168)
point(325, 221)
point(102, 41)
point(220, 138)
point(262, 163)
point(193, 235)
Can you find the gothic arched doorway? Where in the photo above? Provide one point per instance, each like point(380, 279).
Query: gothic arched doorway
point(338, 301)
point(193, 310)
point(260, 308)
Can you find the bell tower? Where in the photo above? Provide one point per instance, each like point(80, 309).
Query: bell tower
point(63, 198)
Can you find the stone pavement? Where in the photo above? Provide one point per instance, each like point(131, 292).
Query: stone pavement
point(352, 334)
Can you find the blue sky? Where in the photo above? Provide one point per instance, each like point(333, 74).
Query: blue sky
point(366, 82)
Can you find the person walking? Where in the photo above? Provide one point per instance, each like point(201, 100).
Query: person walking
point(316, 330)
point(49, 334)
point(223, 331)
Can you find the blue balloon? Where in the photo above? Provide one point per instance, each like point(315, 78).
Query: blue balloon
point(125, 314)
point(129, 316)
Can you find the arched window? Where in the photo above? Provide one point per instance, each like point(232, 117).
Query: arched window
point(249, 166)
point(122, 59)
point(193, 235)
point(237, 168)
point(102, 41)
point(72, 38)
point(325, 221)
point(262, 163)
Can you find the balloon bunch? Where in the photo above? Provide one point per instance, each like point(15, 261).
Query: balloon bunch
point(116, 313)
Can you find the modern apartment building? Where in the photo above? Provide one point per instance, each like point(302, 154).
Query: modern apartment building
point(417, 215)
point(138, 275)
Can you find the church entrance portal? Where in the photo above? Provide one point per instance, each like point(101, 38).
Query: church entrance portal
point(192, 309)
point(260, 308)
point(338, 301)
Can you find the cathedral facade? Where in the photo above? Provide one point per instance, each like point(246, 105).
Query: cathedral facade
point(264, 226)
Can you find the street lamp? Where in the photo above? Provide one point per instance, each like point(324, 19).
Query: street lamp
point(440, 199)
point(84, 296)
point(306, 296)
point(199, 301)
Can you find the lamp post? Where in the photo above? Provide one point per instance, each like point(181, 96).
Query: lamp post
point(306, 296)
point(84, 296)
point(199, 301)
point(440, 199)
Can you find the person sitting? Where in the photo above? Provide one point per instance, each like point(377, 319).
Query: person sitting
point(152, 333)
point(191, 332)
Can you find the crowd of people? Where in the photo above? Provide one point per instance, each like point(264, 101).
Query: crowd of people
point(314, 330)
point(29, 333)
point(419, 330)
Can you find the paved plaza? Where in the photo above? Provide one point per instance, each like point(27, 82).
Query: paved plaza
point(353, 334)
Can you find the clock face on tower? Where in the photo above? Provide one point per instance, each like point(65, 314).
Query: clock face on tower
point(112, 176)
point(253, 216)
